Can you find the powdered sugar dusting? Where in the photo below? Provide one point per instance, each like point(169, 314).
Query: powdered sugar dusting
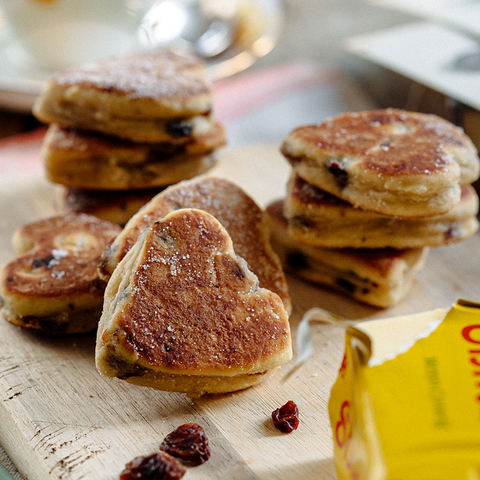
point(63, 258)
point(143, 75)
point(237, 212)
point(191, 297)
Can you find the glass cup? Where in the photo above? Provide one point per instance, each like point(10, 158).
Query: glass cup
point(55, 34)
point(230, 35)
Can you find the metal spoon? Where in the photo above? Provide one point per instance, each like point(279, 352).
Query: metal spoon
point(205, 28)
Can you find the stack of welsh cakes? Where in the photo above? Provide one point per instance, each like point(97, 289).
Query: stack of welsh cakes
point(124, 128)
point(368, 194)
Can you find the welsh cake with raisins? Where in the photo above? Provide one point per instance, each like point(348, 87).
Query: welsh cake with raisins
point(184, 313)
point(91, 161)
point(53, 284)
point(149, 96)
point(380, 277)
point(115, 206)
point(318, 218)
point(243, 219)
point(390, 161)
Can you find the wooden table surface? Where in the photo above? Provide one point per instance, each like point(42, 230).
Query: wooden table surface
point(59, 419)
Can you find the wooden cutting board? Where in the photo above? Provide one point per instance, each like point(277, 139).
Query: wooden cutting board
point(59, 419)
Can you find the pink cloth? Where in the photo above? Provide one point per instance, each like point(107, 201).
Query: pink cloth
point(20, 154)
point(244, 94)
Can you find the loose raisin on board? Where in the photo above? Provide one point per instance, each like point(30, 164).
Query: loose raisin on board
point(285, 418)
point(158, 466)
point(189, 443)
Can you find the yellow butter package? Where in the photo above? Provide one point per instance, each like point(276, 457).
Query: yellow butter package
point(406, 403)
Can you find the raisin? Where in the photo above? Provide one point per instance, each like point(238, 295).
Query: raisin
point(42, 262)
point(179, 129)
point(285, 418)
point(125, 369)
point(347, 285)
point(296, 260)
point(189, 443)
point(336, 169)
point(98, 284)
point(158, 466)
point(451, 233)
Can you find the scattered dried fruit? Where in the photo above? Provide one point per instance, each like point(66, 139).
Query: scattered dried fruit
point(158, 466)
point(189, 443)
point(285, 418)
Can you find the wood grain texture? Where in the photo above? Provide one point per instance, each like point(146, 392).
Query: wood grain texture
point(60, 419)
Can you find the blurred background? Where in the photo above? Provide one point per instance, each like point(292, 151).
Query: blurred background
point(316, 29)
point(313, 30)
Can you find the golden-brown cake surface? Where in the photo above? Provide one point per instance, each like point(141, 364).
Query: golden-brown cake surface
point(147, 96)
point(55, 277)
point(236, 211)
point(79, 159)
point(318, 218)
point(149, 75)
point(182, 302)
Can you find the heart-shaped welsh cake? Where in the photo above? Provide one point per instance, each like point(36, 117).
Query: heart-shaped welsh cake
point(183, 312)
point(245, 221)
point(53, 285)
